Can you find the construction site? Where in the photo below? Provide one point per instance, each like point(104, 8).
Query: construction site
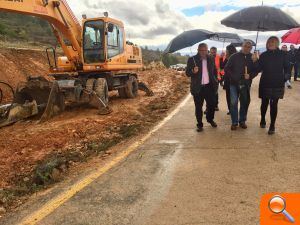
point(78, 133)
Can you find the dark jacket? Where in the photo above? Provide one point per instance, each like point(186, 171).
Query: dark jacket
point(196, 79)
point(226, 76)
point(287, 55)
point(275, 70)
point(287, 58)
point(298, 56)
point(235, 68)
point(292, 56)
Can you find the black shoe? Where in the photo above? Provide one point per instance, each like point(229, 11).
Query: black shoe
point(271, 131)
point(199, 129)
point(262, 125)
point(243, 125)
point(289, 87)
point(234, 127)
point(217, 109)
point(213, 124)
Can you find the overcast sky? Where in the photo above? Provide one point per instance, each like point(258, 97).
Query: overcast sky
point(155, 22)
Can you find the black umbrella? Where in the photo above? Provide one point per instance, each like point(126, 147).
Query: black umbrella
point(260, 18)
point(226, 37)
point(239, 44)
point(187, 39)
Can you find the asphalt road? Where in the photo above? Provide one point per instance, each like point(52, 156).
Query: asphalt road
point(181, 177)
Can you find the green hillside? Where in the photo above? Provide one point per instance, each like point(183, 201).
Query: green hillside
point(15, 27)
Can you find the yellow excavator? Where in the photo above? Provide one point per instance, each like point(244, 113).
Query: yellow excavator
point(98, 59)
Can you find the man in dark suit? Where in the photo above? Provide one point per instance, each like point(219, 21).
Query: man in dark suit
point(202, 71)
point(293, 62)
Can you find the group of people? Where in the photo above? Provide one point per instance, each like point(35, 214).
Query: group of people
point(293, 56)
point(237, 69)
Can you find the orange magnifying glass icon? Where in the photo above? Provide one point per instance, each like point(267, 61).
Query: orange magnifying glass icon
point(277, 204)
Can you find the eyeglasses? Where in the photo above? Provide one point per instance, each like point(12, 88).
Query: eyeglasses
point(247, 46)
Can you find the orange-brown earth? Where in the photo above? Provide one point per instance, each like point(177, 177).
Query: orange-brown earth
point(78, 132)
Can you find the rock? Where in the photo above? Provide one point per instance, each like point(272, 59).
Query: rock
point(55, 175)
point(26, 179)
point(2, 210)
point(63, 168)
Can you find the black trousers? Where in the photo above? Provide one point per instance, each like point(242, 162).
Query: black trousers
point(228, 97)
point(295, 66)
point(217, 97)
point(273, 110)
point(208, 94)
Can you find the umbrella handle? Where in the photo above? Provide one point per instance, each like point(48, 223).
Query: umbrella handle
point(193, 57)
point(256, 40)
point(194, 61)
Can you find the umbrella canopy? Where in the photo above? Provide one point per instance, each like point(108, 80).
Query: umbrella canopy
point(260, 18)
point(227, 37)
point(239, 44)
point(187, 39)
point(292, 36)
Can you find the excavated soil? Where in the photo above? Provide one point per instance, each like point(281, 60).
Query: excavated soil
point(79, 132)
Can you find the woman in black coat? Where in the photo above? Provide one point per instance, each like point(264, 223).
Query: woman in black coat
point(230, 50)
point(274, 67)
point(298, 60)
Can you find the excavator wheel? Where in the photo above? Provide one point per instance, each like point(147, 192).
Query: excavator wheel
point(132, 87)
point(122, 92)
point(101, 89)
point(90, 84)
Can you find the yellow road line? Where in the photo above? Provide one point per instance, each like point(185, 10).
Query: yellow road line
point(56, 202)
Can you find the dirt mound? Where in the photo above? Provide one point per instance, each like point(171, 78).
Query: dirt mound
point(16, 65)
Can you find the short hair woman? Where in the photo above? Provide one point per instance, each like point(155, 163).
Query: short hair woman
point(274, 66)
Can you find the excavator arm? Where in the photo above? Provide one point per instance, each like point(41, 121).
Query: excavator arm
point(62, 20)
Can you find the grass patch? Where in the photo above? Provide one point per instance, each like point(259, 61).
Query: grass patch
point(159, 106)
point(127, 131)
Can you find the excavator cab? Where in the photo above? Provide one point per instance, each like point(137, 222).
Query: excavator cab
point(104, 46)
point(93, 42)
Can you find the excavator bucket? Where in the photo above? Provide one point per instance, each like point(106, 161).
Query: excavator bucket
point(14, 113)
point(36, 97)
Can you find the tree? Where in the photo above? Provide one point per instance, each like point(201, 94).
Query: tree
point(169, 60)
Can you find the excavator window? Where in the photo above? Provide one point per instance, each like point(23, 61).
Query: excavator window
point(93, 39)
point(121, 41)
point(113, 41)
